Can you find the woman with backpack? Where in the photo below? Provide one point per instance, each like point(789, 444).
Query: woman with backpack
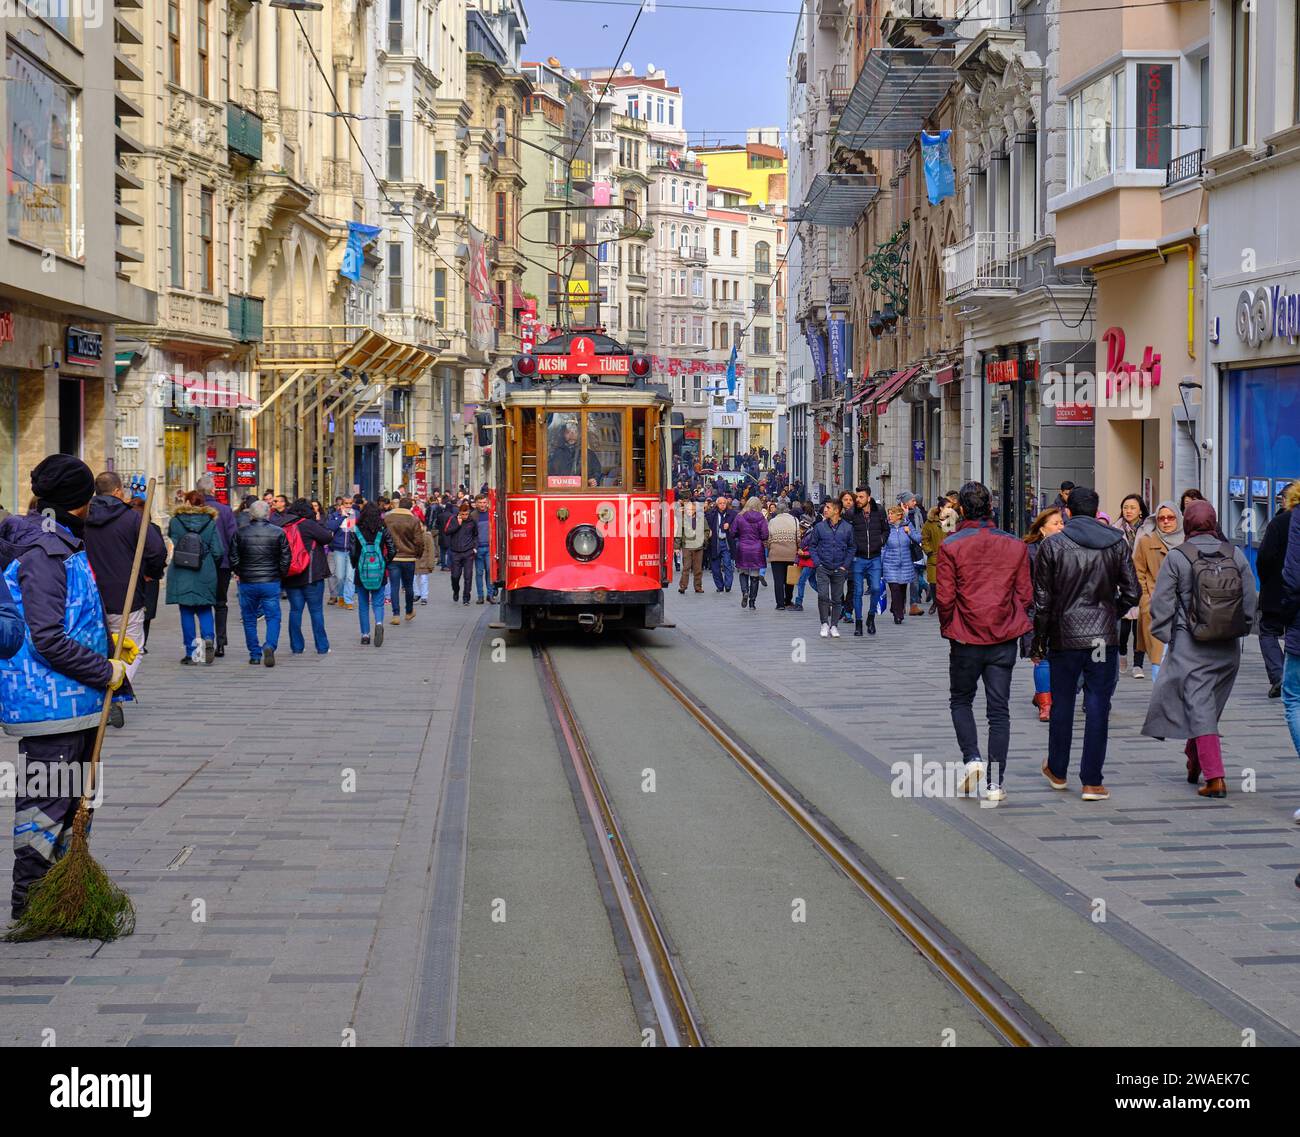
point(1203, 607)
point(192, 574)
point(309, 542)
point(371, 551)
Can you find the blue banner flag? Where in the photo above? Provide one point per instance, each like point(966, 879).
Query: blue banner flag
point(817, 345)
point(939, 179)
point(838, 364)
point(731, 372)
point(358, 237)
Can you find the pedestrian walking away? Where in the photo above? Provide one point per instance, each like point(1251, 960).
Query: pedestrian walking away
point(226, 526)
point(751, 550)
point(783, 549)
point(372, 551)
point(407, 534)
point(983, 590)
point(932, 536)
point(1204, 605)
point(831, 546)
point(260, 557)
point(1046, 524)
point(305, 584)
point(1149, 553)
point(192, 576)
point(1083, 580)
point(54, 674)
point(1269, 562)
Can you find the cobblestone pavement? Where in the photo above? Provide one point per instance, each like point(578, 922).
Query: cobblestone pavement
point(227, 787)
point(1210, 883)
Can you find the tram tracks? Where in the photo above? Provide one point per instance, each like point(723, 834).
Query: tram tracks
point(997, 1006)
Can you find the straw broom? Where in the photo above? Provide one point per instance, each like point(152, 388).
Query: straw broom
point(76, 898)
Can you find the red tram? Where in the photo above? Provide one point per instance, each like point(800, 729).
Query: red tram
point(581, 487)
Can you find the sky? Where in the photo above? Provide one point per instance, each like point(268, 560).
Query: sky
point(731, 65)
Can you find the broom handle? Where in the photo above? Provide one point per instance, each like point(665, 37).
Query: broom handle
point(140, 539)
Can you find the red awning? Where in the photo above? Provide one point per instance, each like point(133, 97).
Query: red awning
point(860, 396)
point(891, 386)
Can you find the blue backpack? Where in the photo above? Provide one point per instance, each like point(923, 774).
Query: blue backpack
point(370, 563)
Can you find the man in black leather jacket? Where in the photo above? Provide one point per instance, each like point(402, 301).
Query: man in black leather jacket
point(1083, 580)
point(259, 556)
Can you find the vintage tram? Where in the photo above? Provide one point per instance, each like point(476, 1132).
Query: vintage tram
point(581, 490)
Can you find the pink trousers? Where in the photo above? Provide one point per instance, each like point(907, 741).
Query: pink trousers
point(1206, 752)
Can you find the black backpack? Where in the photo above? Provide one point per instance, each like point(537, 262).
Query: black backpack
point(1218, 607)
point(187, 553)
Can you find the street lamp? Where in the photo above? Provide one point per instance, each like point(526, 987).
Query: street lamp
point(297, 5)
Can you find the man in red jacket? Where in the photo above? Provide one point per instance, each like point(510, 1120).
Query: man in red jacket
point(983, 591)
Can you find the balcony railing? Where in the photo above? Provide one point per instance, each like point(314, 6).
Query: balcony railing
point(841, 293)
point(984, 262)
point(762, 308)
point(556, 189)
point(695, 254)
point(245, 317)
point(838, 89)
point(243, 132)
point(1184, 168)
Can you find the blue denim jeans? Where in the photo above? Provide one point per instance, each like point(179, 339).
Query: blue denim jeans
point(808, 573)
point(1291, 696)
point(1099, 679)
point(311, 597)
point(260, 600)
point(1042, 678)
point(865, 570)
point(401, 574)
point(366, 602)
point(341, 576)
point(204, 616)
point(723, 568)
point(481, 573)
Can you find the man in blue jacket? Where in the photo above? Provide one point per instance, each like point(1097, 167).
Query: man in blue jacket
point(52, 687)
point(722, 543)
point(340, 522)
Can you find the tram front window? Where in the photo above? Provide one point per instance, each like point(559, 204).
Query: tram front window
point(563, 450)
point(584, 449)
point(604, 448)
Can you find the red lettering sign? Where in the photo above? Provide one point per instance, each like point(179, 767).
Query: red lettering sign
point(1002, 370)
point(1121, 374)
point(6, 327)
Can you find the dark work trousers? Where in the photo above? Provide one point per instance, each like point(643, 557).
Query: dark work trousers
point(223, 590)
point(1272, 628)
point(830, 591)
point(967, 665)
point(780, 590)
point(1099, 679)
point(1129, 628)
point(462, 567)
point(43, 824)
point(898, 599)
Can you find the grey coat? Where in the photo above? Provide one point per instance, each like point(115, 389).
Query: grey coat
point(1195, 678)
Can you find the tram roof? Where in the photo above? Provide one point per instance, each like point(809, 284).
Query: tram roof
point(569, 394)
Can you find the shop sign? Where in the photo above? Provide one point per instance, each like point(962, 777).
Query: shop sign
point(392, 439)
point(1074, 414)
point(243, 469)
point(1002, 370)
point(1270, 312)
point(130, 442)
point(83, 347)
point(918, 450)
point(762, 402)
point(6, 327)
point(1121, 374)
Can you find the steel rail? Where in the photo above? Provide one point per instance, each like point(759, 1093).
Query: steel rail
point(937, 946)
point(665, 985)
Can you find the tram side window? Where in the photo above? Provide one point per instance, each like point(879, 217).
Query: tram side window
point(639, 418)
point(605, 448)
point(527, 449)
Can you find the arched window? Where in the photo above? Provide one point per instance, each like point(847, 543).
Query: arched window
point(672, 230)
point(763, 258)
point(662, 232)
point(673, 195)
point(501, 130)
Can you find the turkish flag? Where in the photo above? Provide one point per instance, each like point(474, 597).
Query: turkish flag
point(825, 436)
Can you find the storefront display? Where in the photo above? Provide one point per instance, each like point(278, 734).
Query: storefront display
point(1012, 402)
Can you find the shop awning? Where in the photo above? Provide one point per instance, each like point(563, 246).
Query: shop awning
point(837, 200)
point(897, 89)
point(861, 396)
point(891, 386)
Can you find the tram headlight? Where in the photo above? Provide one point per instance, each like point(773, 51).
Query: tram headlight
point(585, 543)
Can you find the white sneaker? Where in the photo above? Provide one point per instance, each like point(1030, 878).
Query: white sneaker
point(996, 792)
point(1137, 673)
point(826, 630)
point(971, 778)
point(835, 631)
point(1296, 817)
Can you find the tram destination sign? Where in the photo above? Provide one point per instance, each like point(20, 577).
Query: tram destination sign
point(583, 365)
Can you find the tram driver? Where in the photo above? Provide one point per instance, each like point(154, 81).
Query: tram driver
point(564, 456)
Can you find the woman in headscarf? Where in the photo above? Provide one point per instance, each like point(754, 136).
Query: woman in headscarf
point(1132, 522)
point(1194, 684)
point(1149, 552)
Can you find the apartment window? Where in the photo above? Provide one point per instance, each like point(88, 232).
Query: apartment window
point(1094, 147)
point(501, 130)
point(659, 109)
point(697, 331)
point(501, 305)
point(763, 258)
point(670, 112)
point(1243, 72)
point(178, 232)
point(207, 262)
point(232, 249)
point(395, 275)
point(440, 176)
point(174, 41)
point(681, 281)
point(780, 343)
point(501, 217)
point(735, 334)
point(717, 242)
point(205, 9)
point(715, 288)
point(673, 192)
point(440, 297)
point(735, 243)
point(394, 146)
point(760, 380)
point(672, 235)
point(1295, 57)
point(762, 341)
point(468, 203)
point(697, 389)
point(395, 26)
point(553, 228)
point(697, 285)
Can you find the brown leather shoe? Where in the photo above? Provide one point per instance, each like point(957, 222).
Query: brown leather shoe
point(1055, 782)
point(915, 610)
point(1215, 787)
point(1095, 793)
point(1043, 702)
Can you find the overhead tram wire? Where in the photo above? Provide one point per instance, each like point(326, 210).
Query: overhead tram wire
point(798, 12)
